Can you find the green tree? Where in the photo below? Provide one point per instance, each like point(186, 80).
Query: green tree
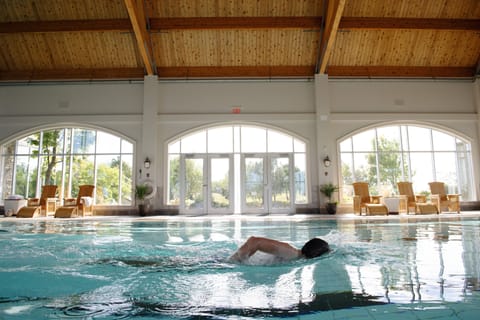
point(21, 180)
point(194, 181)
point(254, 181)
point(174, 180)
point(347, 174)
point(281, 181)
point(107, 183)
point(126, 183)
point(49, 142)
point(387, 168)
point(221, 192)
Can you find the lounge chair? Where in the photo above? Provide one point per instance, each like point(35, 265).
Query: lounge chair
point(410, 200)
point(443, 200)
point(81, 205)
point(43, 206)
point(363, 200)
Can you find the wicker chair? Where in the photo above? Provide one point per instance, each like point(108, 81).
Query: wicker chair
point(44, 206)
point(408, 199)
point(443, 200)
point(363, 200)
point(81, 205)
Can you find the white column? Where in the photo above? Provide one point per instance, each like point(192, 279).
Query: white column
point(149, 130)
point(476, 101)
point(326, 145)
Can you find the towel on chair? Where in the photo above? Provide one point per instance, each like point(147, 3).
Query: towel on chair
point(87, 201)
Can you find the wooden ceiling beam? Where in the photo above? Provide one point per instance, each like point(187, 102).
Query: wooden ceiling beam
point(138, 19)
point(477, 68)
point(158, 24)
point(332, 21)
point(121, 25)
point(237, 72)
point(362, 23)
point(72, 74)
point(399, 72)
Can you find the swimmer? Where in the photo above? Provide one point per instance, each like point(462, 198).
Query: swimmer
point(313, 248)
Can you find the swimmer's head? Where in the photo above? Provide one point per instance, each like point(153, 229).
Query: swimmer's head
point(315, 248)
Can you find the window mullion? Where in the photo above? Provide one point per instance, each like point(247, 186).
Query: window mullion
point(434, 167)
point(39, 167)
point(377, 163)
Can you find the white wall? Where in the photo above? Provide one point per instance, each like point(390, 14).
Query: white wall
point(218, 97)
point(71, 99)
point(288, 105)
point(407, 96)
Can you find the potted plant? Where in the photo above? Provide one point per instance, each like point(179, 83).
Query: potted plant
point(140, 193)
point(328, 189)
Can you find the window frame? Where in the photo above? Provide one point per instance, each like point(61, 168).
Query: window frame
point(66, 153)
point(299, 145)
point(463, 185)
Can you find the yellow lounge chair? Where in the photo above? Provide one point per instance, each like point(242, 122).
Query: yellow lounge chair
point(443, 200)
point(43, 206)
point(81, 205)
point(410, 200)
point(363, 200)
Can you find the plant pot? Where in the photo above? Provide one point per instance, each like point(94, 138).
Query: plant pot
point(331, 208)
point(141, 210)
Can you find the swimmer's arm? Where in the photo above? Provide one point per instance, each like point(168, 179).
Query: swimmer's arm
point(274, 247)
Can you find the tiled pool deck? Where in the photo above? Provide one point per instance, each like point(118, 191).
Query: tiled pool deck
point(290, 217)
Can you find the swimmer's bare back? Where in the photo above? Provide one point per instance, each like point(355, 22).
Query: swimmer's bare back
point(277, 248)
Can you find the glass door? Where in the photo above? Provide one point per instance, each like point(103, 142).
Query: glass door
point(193, 188)
point(267, 184)
point(206, 184)
point(281, 183)
point(254, 184)
point(220, 184)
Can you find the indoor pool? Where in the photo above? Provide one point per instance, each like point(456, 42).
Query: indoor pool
point(177, 268)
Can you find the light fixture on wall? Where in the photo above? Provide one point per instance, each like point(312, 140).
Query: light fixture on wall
point(327, 162)
point(147, 163)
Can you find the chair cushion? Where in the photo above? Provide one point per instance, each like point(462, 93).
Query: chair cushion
point(66, 212)
point(426, 208)
point(377, 209)
point(28, 212)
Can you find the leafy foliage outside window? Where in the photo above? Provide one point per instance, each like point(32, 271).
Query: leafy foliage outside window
point(237, 140)
point(415, 154)
point(67, 157)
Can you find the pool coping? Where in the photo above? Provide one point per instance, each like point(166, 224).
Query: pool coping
point(291, 217)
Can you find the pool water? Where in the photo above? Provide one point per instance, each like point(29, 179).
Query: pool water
point(404, 268)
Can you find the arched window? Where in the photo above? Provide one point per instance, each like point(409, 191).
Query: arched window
point(239, 142)
point(384, 155)
point(69, 157)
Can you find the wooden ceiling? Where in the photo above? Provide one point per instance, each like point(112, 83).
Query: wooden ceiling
point(71, 40)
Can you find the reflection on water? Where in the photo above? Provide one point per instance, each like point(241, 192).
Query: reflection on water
point(320, 302)
point(179, 269)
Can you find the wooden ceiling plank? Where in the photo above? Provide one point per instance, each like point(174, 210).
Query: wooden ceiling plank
point(369, 23)
point(157, 24)
point(332, 20)
point(139, 24)
point(346, 23)
point(121, 25)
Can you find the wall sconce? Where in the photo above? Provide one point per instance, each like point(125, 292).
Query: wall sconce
point(327, 162)
point(147, 163)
